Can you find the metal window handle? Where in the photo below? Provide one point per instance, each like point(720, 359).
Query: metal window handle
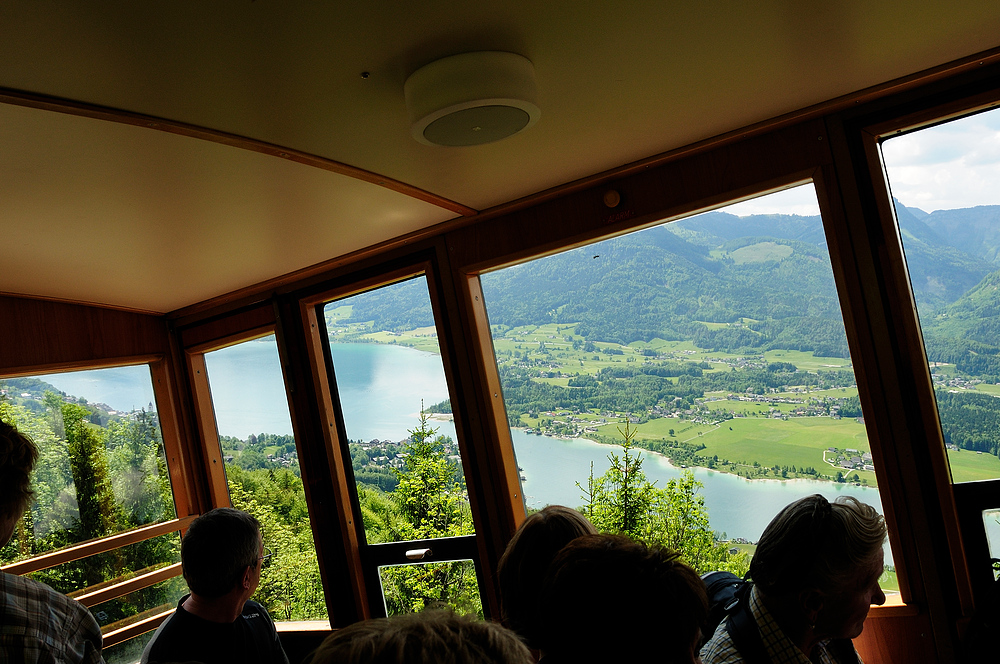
point(418, 554)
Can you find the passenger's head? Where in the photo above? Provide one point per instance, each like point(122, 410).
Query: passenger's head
point(17, 459)
point(218, 551)
point(607, 598)
point(522, 566)
point(431, 637)
point(825, 559)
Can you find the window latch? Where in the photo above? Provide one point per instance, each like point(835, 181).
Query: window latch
point(418, 554)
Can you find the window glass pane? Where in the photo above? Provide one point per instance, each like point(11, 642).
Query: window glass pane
point(410, 588)
point(262, 469)
point(79, 577)
point(140, 604)
point(394, 398)
point(945, 183)
point(101, 468)
point(126, 652)
point(716, 345)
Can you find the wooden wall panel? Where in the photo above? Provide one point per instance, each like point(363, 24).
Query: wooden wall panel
point(40, 334)
point(897, 640)
point(234, 323)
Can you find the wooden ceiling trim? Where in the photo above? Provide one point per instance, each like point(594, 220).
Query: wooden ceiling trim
point(96, 112)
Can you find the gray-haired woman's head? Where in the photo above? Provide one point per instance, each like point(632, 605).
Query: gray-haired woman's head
point(813, 543)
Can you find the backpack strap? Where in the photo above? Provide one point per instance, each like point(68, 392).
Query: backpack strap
point(743, 629)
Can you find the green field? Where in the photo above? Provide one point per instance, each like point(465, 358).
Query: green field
point(751, 407)
point(660, 428)
point(968, 466)
point(888, 581)
point(796, 442)
point(807, 361)
point(989, 388)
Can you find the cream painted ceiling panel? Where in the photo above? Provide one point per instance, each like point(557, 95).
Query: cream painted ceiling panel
point(617, 81)
point(103, 212)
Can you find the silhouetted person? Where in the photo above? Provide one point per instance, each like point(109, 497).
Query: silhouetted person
point(525, 561)
point(37, 624)
point(815, 574)
point(221, 555)
point(433, 636)
point(607, 599)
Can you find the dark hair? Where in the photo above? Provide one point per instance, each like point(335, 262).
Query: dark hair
point(813, 543)
point(431, 637)
point(522, 567)
point(218, 547)
point(18, 455)
point(608, 598)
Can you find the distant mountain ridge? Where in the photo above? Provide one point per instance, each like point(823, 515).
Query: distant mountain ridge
point(732, 283)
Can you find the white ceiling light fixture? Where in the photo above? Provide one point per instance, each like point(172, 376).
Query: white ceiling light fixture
point(472, 98)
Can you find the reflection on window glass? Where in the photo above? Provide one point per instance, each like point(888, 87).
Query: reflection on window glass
point(406, 461)
point(101, 468)
point(945, 183)
point(411, 588)
point(670, 382)
point(262, 470)
point(140, 604)
point(127, 652)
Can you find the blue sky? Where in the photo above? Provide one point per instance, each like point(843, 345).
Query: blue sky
point(953, 165)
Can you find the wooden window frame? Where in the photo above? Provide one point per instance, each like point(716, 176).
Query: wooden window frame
point(161, 379)
point(364, 559)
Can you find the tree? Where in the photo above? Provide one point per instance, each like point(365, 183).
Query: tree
point(620, 500)
point(624, 501)
point(429, 501)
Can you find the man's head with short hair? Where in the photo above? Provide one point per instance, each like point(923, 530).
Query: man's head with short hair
point(523, 564)
point(608, 598)
point(815, 543)
point(18, 455)
point(434, 636)
point(217, 549)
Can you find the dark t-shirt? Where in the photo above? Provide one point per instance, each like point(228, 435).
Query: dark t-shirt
point(184, 637)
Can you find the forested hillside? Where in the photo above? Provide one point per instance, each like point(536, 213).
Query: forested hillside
point(738, 287)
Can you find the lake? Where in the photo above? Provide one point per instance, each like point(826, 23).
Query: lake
point(381, 387)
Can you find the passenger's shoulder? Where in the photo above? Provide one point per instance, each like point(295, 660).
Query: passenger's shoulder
point(254, 612)
point(28, 594)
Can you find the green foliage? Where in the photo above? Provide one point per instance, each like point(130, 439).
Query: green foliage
point(290, 586)
point(624, 501)
point(429, 501)
point(92, 481)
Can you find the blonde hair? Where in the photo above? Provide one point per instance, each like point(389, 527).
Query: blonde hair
point(813, 543)
point(434, 636)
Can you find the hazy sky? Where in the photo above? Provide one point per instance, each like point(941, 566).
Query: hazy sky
point(953, 165)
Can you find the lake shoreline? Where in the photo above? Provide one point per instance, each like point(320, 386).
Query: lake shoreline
point(670, 464)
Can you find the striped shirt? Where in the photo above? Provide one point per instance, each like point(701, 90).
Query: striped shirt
point(40, 626)
point(720, 649)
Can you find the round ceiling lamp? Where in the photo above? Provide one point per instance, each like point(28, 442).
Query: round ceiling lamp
point(472, 98)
